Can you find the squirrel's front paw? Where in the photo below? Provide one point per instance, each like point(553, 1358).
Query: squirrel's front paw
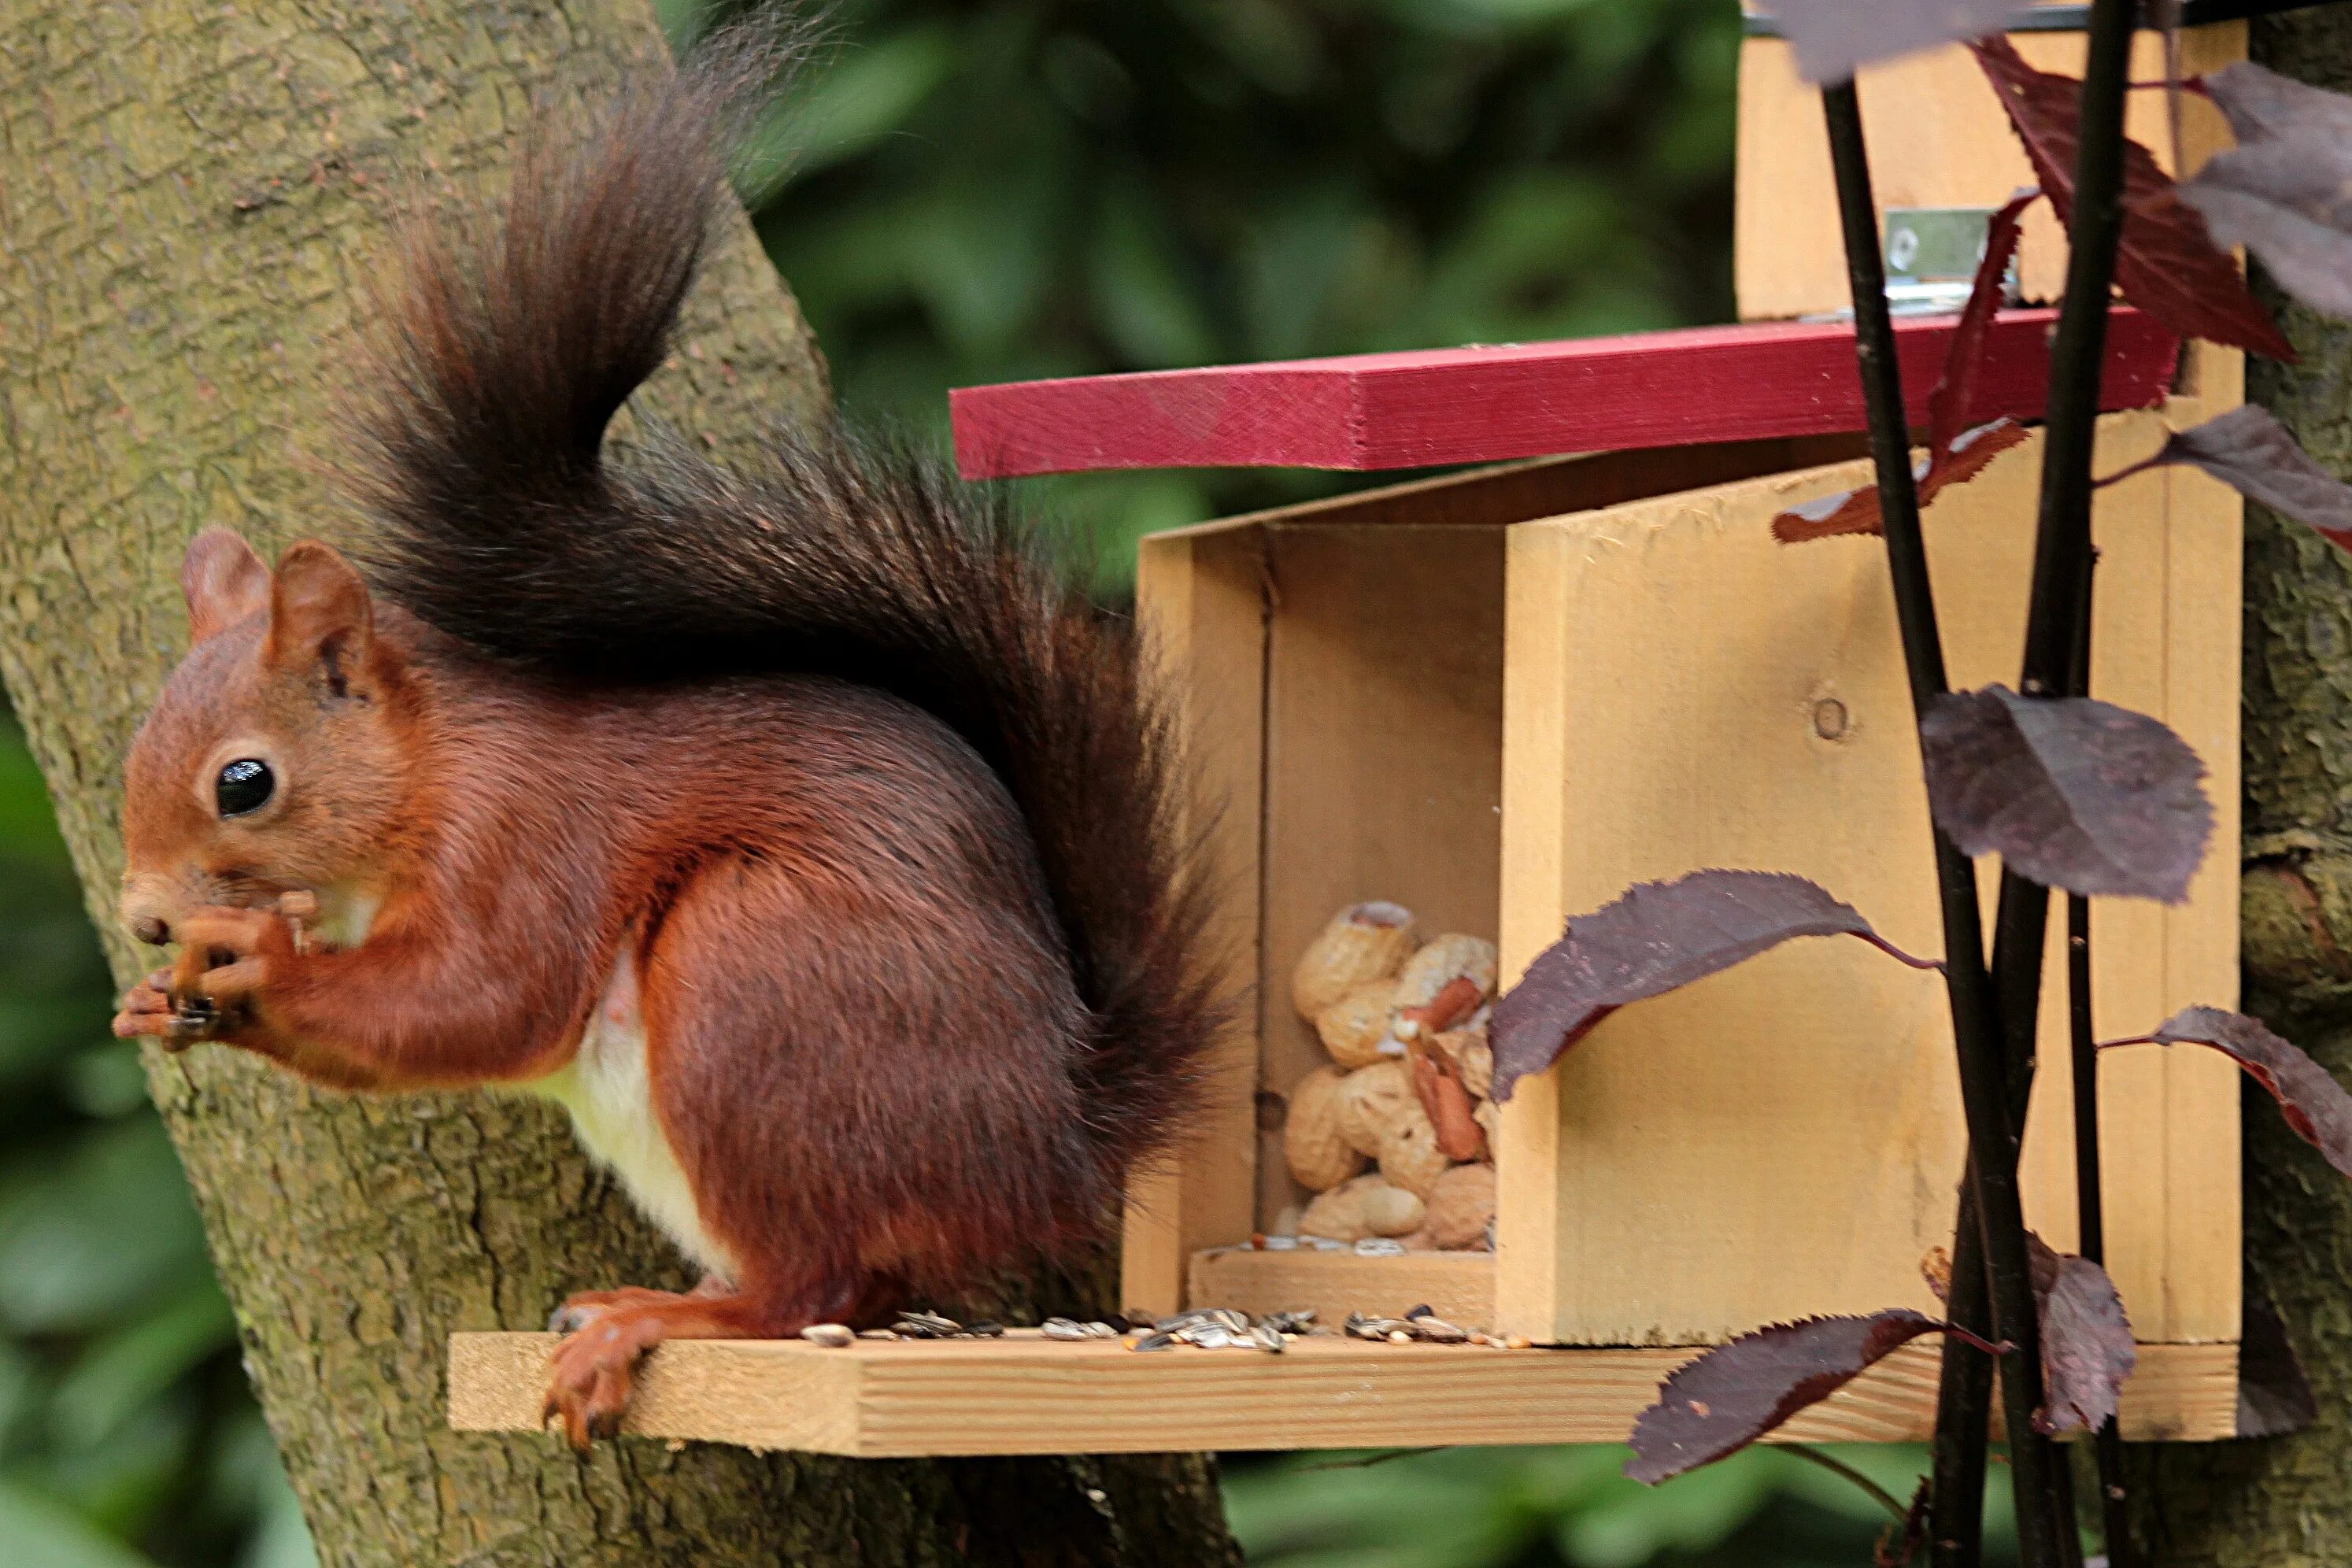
point(148, 1009)
point(227, 958)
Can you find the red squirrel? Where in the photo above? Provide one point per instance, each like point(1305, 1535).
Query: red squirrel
point(801, 829)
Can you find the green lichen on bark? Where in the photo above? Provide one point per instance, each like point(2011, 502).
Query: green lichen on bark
point(192, 198)
point(2286, 1502)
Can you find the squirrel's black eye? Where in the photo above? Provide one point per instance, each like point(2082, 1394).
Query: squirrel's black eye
point(245, 784)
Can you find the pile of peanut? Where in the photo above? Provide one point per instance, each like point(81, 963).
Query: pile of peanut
point(1406, 1023)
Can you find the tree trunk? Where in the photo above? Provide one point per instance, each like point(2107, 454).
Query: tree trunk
point(2286, 1502)
point(191, 196)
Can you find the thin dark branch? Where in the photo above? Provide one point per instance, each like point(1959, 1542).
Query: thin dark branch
point(1878, 1494)
point(2090, 1194)
point(1976, 1022)
point(2062, 564)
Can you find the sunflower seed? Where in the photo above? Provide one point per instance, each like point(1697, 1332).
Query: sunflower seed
point(1065, 1328)
point(1279, 1243)
point(926, 1326)
point(1438, 1331)
point(1155, 1342)
point(875, 1334)
point(1268, 1339)
point(1295, 1323)
point(985, 1329)
point(1380, 1247)
point(1207, 1336)
point(834, 1336)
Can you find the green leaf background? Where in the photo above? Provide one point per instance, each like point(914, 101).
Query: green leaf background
point(968, 193)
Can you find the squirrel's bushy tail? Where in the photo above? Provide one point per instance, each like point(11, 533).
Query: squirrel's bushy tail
point(519, 334)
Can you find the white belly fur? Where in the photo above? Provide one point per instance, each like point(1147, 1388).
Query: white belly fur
point(606, 1088)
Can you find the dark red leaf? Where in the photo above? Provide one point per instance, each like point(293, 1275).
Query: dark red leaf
point(1658, 937)
point(2086, 1347)
point(2070, 792)
point(1951, 404)
point(2286, 193)
point(1831, 517)
point(2308, 1096)
point(2252, 452)
point(1857, 511)
point(2274, 1395)
point(1736, 1393)
point(2168, 265)
point(1834, 36)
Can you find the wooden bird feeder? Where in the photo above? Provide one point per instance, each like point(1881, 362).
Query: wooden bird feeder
point(1501, 697)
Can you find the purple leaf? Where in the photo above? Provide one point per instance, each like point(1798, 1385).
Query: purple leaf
point(1658, 937)
point(2286, 193)
point(2167, 265)
point(2308, 1096)
point(1832, 37)
point(2264, 106)
point(1736, 1393)
point(2086, 1348)
point(2252, 452)
point(2294, 218)
point(2070, 792)
point(2274, 1395)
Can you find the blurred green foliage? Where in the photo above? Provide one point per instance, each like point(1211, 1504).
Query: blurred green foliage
point(1569, 1508)
point(966, 193)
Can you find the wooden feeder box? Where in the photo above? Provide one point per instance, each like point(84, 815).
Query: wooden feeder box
point(1501, 697)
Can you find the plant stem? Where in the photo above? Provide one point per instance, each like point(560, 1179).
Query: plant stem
point(1878, 1494)
point(2061, 565)
point(2090, 1195)
point(1976, 1021)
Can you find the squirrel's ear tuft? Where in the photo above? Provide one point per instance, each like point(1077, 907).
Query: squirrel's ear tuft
point(320, 618)
point(223, 580)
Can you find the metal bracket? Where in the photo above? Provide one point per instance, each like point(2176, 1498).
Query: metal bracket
point(1931, 255)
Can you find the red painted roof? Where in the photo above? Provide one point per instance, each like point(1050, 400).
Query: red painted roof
point(1517, 400)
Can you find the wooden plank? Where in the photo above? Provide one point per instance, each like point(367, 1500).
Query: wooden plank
point(1457, 1286)
point(1540, 567)
point(1026, 1395)
point(1384, 694)
point(1785, 1138)
point(1938, 139)
point(1483, 403)
point(1202, 604)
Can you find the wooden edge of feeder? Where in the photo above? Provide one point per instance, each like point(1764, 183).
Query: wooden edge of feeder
point(1026, 1394)
point(1425, 409)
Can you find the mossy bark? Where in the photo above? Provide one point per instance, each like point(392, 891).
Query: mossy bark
point(2286, 1502)
point(192, 193)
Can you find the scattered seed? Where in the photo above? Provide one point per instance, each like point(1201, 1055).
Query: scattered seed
point(1278, 1244)
point(1438, 1331)
point(1380, 1247)
point(926, 1326)
point(875, 1334)
point(1269, 1339)
point(834, 1336)
point(1156, 1342)
point(985, 1329)
point(1519, 1343)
